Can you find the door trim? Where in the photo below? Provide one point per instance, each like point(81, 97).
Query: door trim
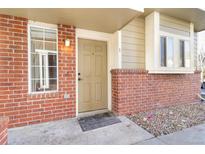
point(99, 36)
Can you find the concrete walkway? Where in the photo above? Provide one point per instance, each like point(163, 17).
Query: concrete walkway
point(69, 132)
point(127, 132)
point(192, 136)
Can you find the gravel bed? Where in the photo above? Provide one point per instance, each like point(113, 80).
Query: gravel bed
point(168, 120)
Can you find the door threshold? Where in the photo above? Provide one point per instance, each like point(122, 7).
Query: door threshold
point(91, 113)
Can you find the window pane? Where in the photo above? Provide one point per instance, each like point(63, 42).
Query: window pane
point(35, 72)
point(36, 86)
point(187, 54)
point(52, 60)
point(35, 59)
point(163, 51)
point(50, 46)
point(50, 35)
point(36, 45)
point(36, 33)
point(170, 52)
point(181, 55)
point(52, 72)
point(52, 85)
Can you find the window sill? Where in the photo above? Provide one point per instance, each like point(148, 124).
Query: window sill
point(46, 95)
point(171, 71)
point(43, 92)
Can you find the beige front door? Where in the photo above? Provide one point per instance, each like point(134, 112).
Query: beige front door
point(92, 75)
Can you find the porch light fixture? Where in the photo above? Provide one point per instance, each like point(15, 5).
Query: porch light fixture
point(67, 42)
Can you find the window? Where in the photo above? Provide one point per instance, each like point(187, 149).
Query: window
point(187, 54)
point(181, 54)
point(43, 54)
point(167, 51)
point(163, 48)
point(184, 54)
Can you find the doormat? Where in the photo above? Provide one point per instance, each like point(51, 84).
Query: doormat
point(97, 121)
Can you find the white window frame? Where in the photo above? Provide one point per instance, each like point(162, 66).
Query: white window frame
point(42, 52)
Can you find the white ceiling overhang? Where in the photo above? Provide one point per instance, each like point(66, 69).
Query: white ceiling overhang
point(98, 19)
point(103, 19)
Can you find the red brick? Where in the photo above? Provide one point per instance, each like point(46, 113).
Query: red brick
point(136, 91)
point(21, 107)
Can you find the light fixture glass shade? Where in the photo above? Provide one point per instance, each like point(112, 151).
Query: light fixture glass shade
point(67, 42)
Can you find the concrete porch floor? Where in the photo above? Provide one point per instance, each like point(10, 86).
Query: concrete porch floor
point(69, 132)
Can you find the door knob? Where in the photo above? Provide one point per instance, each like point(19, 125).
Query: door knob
point(79, 79)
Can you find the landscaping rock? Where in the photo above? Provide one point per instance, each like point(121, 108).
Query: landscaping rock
point(168, 120)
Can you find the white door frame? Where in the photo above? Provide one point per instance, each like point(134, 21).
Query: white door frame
point(100, 36)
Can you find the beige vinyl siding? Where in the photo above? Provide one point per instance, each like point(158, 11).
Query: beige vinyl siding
point(173, 25)
point(133, 44)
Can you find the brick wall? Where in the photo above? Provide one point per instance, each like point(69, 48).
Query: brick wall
point(136, 90)
point(15, 102)
point(3, 130)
